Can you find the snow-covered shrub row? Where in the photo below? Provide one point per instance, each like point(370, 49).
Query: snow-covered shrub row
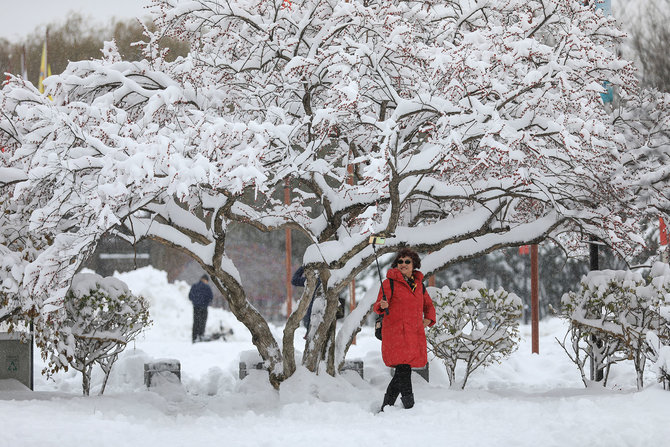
point(100, 316)
point(611, 315)
point(475, 325)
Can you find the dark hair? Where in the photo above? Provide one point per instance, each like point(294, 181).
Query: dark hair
point(407, 253)
point(205, 277)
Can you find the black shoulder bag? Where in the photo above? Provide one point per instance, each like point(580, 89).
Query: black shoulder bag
point(380, 317)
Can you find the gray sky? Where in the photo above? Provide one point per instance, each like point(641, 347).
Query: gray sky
point(18, 18)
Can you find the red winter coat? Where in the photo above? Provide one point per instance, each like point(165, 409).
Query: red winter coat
point(403, 333)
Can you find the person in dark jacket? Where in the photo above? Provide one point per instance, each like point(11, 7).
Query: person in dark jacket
point(410, 310)
point(201, 297)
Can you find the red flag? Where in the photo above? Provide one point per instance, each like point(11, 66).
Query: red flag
point(524, 249)
point(664, 231)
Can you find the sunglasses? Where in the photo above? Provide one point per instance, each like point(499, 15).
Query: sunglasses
point(406, 261)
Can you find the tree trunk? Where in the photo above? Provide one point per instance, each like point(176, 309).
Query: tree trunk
point(330, 344)
point(292, 324)
point(317, 345)
point(345, 335)
point(261, 336)
point(107, 369)
point(640, 361)
point(86, 379)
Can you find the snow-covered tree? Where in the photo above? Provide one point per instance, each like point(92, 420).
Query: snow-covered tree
point(475, 325)
point(459, 127)
point(99, 318)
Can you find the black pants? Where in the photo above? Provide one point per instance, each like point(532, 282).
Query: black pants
point(401, 383)
point(199, 322)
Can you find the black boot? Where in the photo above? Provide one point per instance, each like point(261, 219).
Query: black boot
point(404, 373)
point(392, 392)
point(407, 400)
point(390, 397)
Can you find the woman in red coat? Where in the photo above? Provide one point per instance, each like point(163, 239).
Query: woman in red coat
point(410, 310)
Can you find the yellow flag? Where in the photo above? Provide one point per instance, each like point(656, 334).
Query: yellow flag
point(45, 68)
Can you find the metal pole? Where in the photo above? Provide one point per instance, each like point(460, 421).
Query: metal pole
point(596, 374)
point(24, 71)
point(32, 356)
point(289, 289)
point(593, 255)
point(352, 284)
point(535, 298)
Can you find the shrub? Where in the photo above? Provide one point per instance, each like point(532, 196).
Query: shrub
point(100, 316)
point(610, 315)
point(659, 355)
point(474, 325)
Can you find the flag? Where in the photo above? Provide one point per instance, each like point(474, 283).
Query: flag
point(45, 68)
point(664, 231)
point(608, 96)
point(524, 249)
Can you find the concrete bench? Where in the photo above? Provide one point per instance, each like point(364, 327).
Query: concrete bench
point(423, 372)
point(246, 367)
point(164, 367)
point(353, 365)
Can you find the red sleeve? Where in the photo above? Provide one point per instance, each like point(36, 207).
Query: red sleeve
point(428, 308)
point(386, 286)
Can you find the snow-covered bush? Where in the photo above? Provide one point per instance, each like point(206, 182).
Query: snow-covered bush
point(659, 355)
point(100, 317)
point(475, 325)
point(658, 341)
point(610, 315)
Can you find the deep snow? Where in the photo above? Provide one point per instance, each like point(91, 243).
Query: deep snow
point(527, 400)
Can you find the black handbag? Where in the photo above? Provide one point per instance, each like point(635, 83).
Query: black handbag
point(380, 317)
point(378, 326)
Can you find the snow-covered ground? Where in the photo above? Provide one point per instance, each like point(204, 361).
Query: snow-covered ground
point(528, 400)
